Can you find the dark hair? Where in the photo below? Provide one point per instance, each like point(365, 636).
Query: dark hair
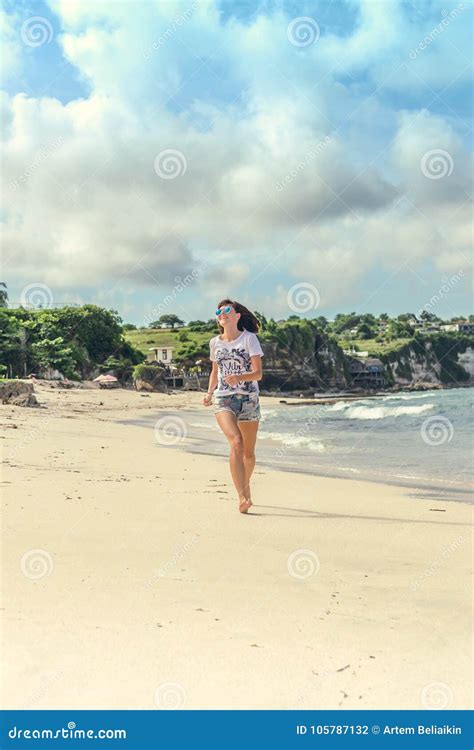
point(247, 319)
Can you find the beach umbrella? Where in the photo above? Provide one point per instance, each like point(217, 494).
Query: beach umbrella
point(105, 379)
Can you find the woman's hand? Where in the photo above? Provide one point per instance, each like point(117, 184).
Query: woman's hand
point(232, 379)
point(207, 400)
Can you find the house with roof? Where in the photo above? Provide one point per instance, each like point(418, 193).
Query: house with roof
point(463, 326)
point(162, 354)
point(368, 372)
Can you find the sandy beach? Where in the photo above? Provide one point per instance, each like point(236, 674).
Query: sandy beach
point(130, 580)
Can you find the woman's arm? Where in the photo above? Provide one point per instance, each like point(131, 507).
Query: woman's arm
point(255, 374)
point(211, 387)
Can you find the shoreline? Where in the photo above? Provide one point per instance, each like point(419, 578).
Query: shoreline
point(351, 395)
point(126, 566)
point(416, 491)
point(304, 461)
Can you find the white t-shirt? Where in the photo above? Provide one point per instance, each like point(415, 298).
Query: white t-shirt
point(233, 358)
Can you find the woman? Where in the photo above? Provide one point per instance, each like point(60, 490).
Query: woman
point(233, 390)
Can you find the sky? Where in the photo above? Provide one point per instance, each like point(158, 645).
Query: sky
point(302, 158)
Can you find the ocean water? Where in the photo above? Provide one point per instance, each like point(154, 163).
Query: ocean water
point(419, 440)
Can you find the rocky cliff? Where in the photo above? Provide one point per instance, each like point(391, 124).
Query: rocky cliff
point(300, 356)
point(438, 358)
point(149, 378)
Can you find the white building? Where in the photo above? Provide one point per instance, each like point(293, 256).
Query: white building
point(463, 326)
point(162, 354)
point(355, 352)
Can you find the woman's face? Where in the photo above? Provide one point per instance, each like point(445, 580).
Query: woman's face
point(227, 318)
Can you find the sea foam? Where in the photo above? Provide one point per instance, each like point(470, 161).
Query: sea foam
point(382, 412)
point(295, 440)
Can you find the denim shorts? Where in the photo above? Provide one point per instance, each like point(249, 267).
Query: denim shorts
point(245, 406)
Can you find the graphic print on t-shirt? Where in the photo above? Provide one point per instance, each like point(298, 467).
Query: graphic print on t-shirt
point(234, 362)
point(235, 358)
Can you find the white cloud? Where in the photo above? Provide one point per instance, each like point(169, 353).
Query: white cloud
point(11, 45)
point(247, 110)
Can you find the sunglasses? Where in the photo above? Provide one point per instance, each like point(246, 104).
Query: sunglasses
point(225, 310)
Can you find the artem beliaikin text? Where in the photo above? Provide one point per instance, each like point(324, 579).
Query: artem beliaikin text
point(420, 729)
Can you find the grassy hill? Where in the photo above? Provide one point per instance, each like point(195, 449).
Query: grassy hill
point(302, 354)
point(196, 344)
point(374, 347)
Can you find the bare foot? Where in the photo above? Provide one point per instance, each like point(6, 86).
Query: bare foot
point(244, 504)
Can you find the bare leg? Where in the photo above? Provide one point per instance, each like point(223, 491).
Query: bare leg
point(228, 424)
point(249, 436)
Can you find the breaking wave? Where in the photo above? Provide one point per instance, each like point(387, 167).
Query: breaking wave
point(383, 412)
point(295, 440)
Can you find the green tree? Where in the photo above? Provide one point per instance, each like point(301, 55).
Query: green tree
point(365, 332)
point(345, 321)
point(272, 326)
point(10, 343)
point(428, 317)
point(404, 317)
point(397, 329)
point(78, 339)
point(3, 295)
point(262, 320)
point(55, 354)
point(196, 325)
point(169, 320)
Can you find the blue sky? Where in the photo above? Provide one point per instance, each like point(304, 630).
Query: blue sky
point(248, 148)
